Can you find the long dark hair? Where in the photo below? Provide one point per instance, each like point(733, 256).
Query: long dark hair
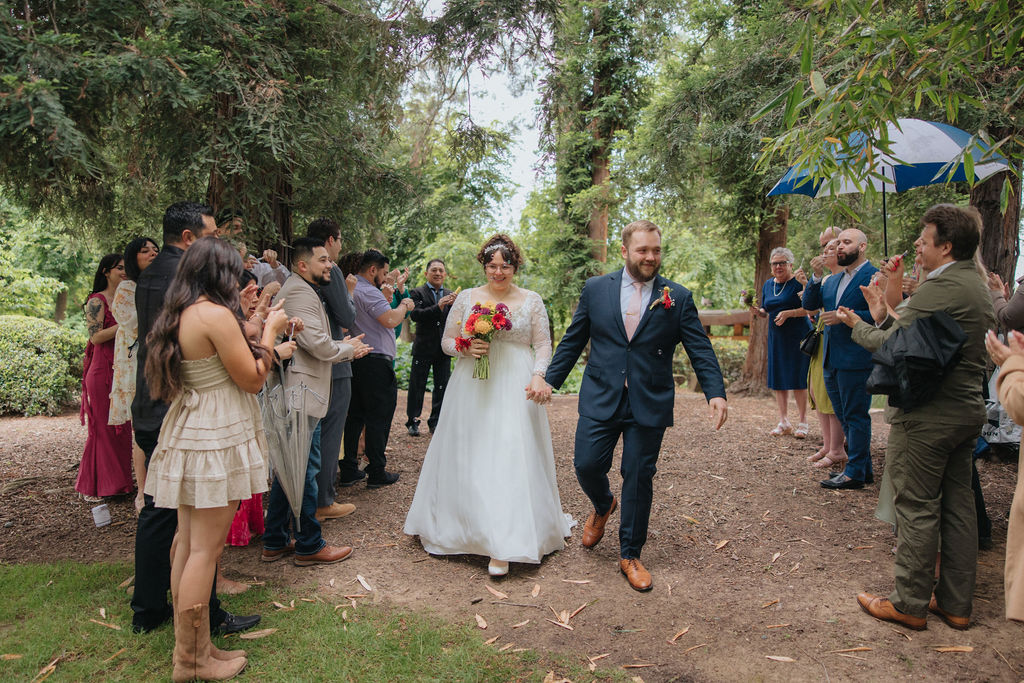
point(131, 257)
point(210, 268)
point(107, 264)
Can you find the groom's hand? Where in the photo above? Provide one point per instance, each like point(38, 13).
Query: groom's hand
point(719, 411)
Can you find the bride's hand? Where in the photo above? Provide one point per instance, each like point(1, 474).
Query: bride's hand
point(538, 390)
point(478, 348)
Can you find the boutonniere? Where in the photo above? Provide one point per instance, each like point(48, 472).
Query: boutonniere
point(665, 300)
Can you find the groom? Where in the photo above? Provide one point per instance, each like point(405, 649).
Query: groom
point(633, 319)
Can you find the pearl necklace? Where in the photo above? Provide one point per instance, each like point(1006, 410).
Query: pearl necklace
point(780, 291)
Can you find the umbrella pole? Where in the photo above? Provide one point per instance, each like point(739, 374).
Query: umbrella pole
point(885, 222)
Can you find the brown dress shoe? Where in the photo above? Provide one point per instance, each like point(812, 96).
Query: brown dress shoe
point(882, 608)
point(639, 578)
point(334, 511)
point(959, 623)
point(275, 555)
point(593, 530)
point(329, 554)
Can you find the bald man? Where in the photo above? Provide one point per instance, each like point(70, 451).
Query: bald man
point(847, 364)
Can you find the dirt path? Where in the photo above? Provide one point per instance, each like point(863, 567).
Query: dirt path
point(740, 605)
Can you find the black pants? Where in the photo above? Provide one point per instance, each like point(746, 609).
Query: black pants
point(374, 397)
point(421, 367)
point(331, 427)
point(153, 536)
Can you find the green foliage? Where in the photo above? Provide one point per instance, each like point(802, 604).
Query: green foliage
point(952, 60)
point(403, 364)
point(732, 353)
point(42, 368)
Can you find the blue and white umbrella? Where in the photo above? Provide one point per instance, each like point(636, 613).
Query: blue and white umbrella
point(920, 153)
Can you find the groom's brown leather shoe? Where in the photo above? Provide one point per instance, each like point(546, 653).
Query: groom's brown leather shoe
point(881, 608)
point(959, 623)
point(638, 577)
point(593, 530)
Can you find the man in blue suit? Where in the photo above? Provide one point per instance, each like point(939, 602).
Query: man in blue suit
point(633, 319)
point(847, 364)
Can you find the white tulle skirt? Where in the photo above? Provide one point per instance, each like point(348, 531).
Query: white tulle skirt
point(488, 486)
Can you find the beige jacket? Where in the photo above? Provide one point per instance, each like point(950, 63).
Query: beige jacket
point(316, 351)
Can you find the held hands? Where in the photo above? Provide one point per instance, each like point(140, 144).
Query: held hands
point(359, 348)
point(719, 412)
point(478, 348)
point(538, 390)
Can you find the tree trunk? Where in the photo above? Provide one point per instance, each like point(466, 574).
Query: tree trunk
point(597, 228)
point(771, 234)
point(999, 236)
point(61, 308)
point(281, 206)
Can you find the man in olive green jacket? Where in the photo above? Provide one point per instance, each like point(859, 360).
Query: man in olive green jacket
point(930, 448)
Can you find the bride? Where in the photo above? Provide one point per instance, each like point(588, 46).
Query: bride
point(487, 486)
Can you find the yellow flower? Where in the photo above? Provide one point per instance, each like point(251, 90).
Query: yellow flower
point(482, 326)
point(489, 304)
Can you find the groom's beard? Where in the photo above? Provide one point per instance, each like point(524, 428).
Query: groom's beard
point(642, 272)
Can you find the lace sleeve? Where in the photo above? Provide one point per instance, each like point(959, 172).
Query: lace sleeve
point(455, 318)
point(541, 336)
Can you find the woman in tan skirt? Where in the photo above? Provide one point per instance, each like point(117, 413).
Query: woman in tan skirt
point(211, 449)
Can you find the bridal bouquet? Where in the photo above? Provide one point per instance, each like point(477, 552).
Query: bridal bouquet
point(483, 321)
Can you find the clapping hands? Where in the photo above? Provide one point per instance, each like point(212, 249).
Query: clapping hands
point(359, 348)
point(1000, 352)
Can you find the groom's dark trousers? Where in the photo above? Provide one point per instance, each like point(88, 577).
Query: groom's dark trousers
point(595, 444)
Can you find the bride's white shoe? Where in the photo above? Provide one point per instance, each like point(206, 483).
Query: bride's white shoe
point(497, 567)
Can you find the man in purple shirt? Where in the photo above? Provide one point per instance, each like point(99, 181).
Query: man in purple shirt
point(374, 387)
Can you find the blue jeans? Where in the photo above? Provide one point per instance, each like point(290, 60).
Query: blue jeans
point(280, 521)
point(851, 401)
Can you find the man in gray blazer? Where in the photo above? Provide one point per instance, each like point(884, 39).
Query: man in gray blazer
point(341, 312)
point(311, 363)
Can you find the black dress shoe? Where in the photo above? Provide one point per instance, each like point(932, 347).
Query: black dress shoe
point(347, 480)
point(388, 479)
point(414, 429)
point(236, 624)
point(841, 481)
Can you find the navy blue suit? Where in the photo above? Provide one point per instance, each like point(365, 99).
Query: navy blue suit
point(847, 366)
point(640, 414)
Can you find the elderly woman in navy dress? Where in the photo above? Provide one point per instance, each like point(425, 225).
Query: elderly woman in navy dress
point(787, 365)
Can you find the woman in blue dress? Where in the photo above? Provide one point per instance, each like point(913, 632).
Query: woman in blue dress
point(787, 365)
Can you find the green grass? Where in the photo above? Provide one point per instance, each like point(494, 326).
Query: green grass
point(45, 613)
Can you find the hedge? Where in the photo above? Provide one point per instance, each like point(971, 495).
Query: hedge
point(41, 370)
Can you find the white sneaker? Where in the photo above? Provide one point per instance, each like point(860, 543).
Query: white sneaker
point(497, 567)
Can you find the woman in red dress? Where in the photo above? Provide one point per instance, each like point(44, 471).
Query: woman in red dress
point(106, 468)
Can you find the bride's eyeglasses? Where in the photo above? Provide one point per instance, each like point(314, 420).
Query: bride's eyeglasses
point(494, 268)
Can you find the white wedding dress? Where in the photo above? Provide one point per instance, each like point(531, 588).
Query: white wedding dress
point(488, 486)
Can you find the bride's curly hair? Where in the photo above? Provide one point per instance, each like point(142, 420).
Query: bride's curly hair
point(500, 243)
point(210, 267)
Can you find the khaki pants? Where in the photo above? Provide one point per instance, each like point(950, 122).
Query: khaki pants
point(1015, 550)
point(931, 475)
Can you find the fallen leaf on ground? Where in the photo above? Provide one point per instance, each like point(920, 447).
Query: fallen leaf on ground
point(307, 599)
point(778, 626)
point(45, 672)
point(597, 657)
point(363, 583)
point(578, 610)
point(255, 635)
point(127, 582)
point(721, 544)
point(637, 666)
point(769, 604)
point(575, 580)
point(103, 612)
point(491, 641)
point(691, 649)
point(691, 520)
point(536, 590)
point(679, 635)
point(496, 593)
point(864, 547)
point(775, 557)
point(955, 648)
point(779, 658)
point(331, 583)
point(9, 657)
point(558, 623)
point(851, 649)
point(506, 646)
point(480, 621)
point(103, 623)
point(115, 655)
point(521, 623)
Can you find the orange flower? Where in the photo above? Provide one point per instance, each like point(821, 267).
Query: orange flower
point(482, 326)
